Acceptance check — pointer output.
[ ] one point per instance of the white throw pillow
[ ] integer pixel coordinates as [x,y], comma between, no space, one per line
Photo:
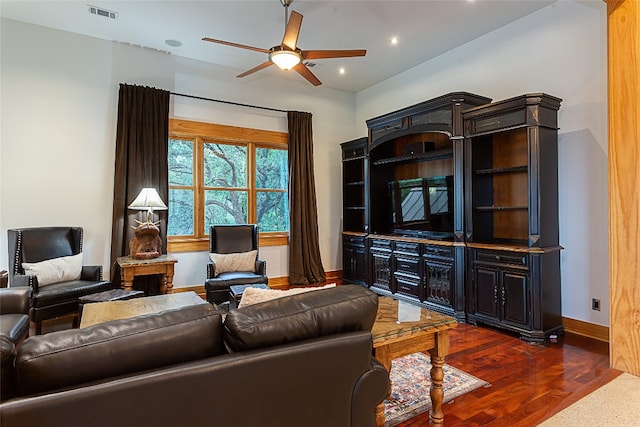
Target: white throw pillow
[241,261]
[256,295]
[55,270]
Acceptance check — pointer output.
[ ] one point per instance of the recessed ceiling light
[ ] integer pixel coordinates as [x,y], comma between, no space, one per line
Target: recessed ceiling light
[342,70]
[173,43]
[393,40]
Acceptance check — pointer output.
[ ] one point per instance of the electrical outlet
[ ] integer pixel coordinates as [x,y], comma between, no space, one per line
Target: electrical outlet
[595,304]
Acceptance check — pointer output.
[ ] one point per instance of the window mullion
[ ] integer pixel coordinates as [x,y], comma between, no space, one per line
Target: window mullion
[198,199]
[251,184]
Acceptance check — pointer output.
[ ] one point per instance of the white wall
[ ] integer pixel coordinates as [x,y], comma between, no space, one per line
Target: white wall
[560,50]
[58,111]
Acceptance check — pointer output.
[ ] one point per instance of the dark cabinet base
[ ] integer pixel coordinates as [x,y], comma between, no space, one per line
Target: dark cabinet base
[525,334]
[426,273]
[515,290]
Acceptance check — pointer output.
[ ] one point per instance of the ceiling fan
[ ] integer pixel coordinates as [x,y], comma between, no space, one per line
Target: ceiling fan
[287,55]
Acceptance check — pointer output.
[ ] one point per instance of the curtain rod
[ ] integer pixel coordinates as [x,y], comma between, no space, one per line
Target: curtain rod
[229,102]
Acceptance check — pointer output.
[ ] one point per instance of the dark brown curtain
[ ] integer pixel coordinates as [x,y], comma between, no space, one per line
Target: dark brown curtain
[305,265]
[142,142]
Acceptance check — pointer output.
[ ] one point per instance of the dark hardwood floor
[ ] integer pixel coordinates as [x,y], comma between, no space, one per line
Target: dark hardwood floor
[529,382]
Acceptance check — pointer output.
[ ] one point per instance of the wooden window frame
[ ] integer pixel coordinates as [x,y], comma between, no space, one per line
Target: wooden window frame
[201,133]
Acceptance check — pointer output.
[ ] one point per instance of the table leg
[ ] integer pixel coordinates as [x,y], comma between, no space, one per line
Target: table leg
[163,284]
[438,353]
[127,280]
[169,283]
[436,416]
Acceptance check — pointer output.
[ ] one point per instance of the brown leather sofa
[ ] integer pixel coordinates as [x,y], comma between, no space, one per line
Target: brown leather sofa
[303,360]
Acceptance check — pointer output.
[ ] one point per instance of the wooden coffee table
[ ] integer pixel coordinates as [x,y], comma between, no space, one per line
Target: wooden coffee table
[101,312]
[393,338]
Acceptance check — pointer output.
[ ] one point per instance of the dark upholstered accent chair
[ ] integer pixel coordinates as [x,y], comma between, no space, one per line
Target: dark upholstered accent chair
[34,245]
[232,239]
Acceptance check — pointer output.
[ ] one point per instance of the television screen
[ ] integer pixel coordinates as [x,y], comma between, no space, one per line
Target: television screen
[422,206]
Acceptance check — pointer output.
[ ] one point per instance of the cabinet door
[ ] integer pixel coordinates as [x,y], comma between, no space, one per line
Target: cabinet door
[486,291]
[360,264]
[354,264]
[439,279]
[349,263]
[515,297]
[381,270]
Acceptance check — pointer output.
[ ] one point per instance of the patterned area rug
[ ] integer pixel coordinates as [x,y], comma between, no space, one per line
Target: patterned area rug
[410,387]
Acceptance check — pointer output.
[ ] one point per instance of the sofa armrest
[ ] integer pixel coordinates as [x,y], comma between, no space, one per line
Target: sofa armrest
[370,390]
[211,269]
[15,300]
[22,280]
[261,267]
[91,272]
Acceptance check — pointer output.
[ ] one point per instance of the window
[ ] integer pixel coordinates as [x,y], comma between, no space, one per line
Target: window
[225,175]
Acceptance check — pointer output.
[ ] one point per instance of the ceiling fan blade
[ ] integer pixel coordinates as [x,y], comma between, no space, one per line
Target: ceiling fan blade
[324,54]
[293,29]
[307,74]
[242,46]
[254,69]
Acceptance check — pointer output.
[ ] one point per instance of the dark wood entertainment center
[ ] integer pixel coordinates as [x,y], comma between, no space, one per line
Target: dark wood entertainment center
[452,204]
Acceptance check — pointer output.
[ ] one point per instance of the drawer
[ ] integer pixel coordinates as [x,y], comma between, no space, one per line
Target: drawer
[495,122]
[381,244]
[495,257]
[353,240]
[407,285]
[408,248]
[355,153]
[438,251]
[407,265]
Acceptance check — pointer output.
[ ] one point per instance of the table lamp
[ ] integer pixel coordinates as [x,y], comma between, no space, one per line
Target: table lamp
[146,243]
[148,200]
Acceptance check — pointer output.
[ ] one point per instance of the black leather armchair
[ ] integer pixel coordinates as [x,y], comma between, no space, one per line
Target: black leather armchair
[45,243]
[230,239]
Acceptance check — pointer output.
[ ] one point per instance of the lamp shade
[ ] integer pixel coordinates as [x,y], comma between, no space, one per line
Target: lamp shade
[285,59]
[148,199]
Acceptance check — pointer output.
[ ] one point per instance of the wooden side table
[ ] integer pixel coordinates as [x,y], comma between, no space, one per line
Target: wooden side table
[131,267]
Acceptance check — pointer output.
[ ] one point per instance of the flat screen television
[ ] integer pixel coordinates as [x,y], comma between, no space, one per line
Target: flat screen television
[422,207]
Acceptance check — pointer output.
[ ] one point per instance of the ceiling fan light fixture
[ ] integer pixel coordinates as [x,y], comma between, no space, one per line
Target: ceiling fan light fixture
[285,59]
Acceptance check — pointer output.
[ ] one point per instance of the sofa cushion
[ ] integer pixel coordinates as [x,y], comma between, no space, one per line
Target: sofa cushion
[256,295]
[56,270]
[242,261]
[65,358]
[298,317]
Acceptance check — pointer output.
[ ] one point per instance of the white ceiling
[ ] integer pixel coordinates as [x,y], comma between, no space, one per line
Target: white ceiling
[424,28]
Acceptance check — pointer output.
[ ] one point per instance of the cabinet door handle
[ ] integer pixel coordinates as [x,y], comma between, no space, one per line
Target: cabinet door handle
[504,296]
[495,294]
